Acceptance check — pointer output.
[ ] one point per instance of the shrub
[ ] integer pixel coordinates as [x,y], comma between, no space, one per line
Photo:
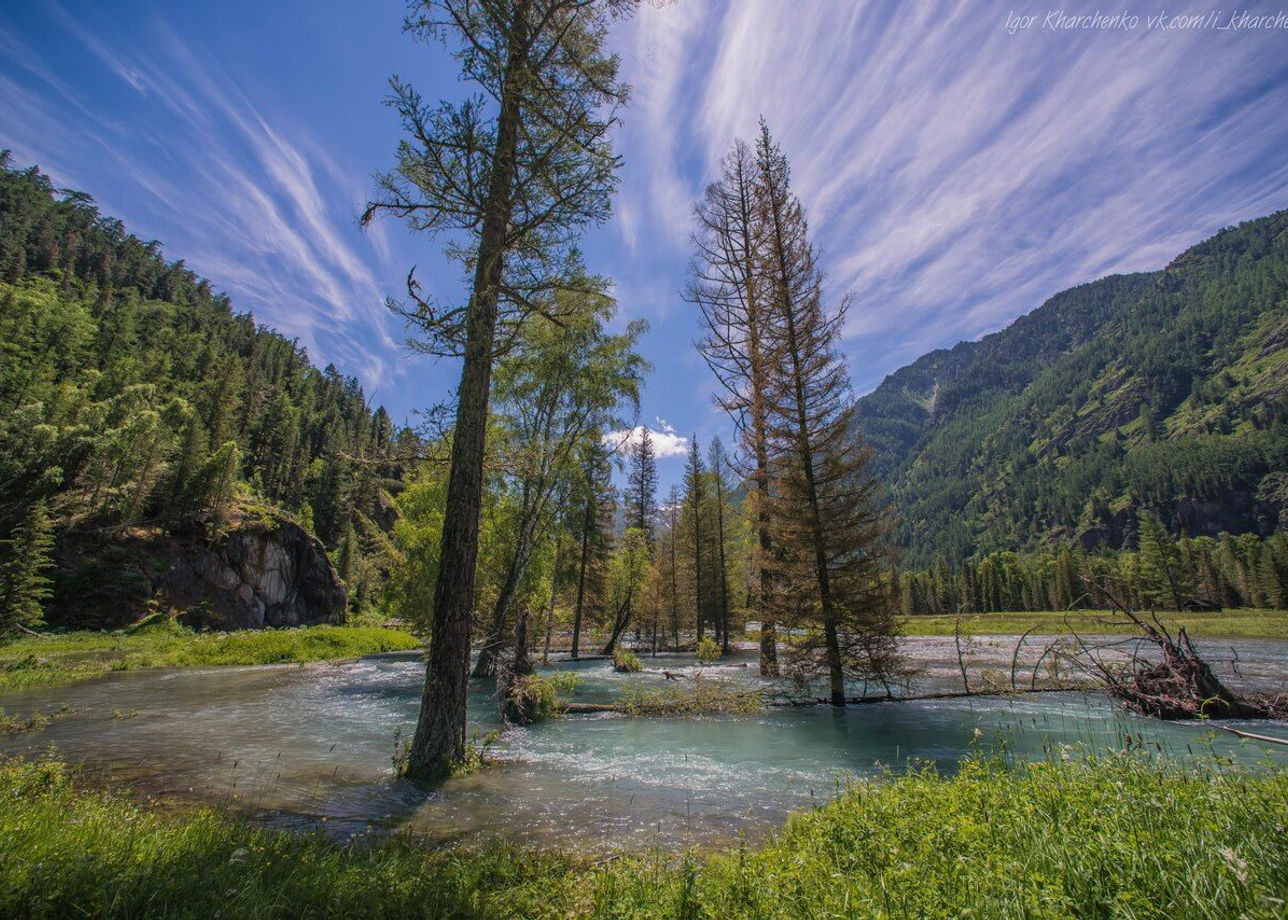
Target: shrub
[626,661]
[533,698]
[708,650]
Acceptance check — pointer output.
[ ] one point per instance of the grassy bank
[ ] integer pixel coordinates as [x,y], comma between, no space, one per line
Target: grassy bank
[67,657]
[1111,838]
[1244,624]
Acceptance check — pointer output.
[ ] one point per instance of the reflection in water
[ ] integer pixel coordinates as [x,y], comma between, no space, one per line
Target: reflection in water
[311,746]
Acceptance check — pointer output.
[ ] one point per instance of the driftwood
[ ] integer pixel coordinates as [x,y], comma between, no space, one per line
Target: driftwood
[1269,739]
[669,675]
[582,708]
[1181,685]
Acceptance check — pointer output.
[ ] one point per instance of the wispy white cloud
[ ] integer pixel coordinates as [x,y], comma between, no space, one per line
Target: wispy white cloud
[250,211]
[956,175]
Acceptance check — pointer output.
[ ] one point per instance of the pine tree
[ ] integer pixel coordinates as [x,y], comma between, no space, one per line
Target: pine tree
[1160,576]
[24,586]
[1270,572]
[598,502]
[216,481]
[192,454]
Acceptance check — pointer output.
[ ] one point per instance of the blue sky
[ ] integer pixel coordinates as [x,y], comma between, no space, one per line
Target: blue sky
[956,173]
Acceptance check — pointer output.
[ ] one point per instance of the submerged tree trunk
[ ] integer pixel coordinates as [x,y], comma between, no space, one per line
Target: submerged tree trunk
[522,665]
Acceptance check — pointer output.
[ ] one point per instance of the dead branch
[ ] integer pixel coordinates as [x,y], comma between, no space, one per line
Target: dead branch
[1015,656]
[957,639]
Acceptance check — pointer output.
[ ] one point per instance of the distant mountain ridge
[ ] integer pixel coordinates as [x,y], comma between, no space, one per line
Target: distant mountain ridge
[1165,390]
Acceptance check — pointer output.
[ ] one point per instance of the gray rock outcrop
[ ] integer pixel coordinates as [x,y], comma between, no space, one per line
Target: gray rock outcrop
[261,574]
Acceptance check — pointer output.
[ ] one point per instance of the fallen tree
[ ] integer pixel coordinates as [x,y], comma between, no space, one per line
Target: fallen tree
[1178,684]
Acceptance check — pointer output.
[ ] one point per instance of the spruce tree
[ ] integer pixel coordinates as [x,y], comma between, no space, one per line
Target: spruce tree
[24,584]
[642,486]
[1160,576]
[695,503]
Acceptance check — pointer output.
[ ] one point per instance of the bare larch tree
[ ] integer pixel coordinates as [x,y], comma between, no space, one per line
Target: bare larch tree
[829,528]
[727,286]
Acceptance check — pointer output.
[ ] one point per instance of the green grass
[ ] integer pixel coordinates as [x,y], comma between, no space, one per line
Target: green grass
[1116,837]
[66,657]
[1245,624]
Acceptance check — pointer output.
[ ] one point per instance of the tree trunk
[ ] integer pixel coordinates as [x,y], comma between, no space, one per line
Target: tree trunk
[657,613]
[768,635]
[581,590]
[522,660]
[439,741]
[550,613]
[697,568]
[620,622]
[675,591]
[485,666]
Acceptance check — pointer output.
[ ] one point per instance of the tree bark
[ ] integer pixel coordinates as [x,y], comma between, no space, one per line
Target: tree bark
[486,664]
[620,621]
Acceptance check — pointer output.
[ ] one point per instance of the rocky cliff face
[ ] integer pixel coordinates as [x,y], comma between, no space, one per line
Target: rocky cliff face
[261,574]
[262,571]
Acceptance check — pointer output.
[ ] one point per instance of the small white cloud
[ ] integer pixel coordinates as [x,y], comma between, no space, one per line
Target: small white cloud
[666,443]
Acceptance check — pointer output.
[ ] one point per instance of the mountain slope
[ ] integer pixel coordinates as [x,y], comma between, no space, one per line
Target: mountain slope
[1166,390]
[128,383]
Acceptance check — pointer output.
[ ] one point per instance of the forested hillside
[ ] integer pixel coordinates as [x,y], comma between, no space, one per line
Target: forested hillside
[1164,391]
[134,396]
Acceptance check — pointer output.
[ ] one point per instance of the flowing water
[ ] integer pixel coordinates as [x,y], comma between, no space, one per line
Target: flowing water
[310,746]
